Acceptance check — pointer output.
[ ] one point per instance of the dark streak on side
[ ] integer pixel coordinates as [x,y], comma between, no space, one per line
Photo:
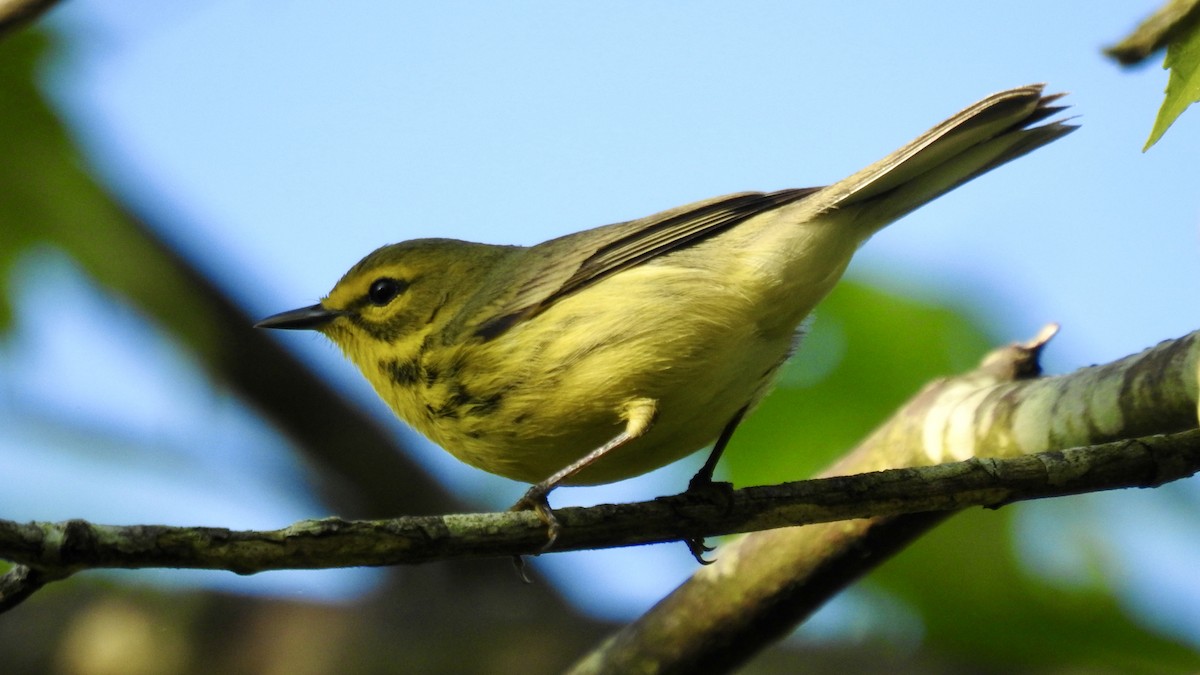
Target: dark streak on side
[486,405]
[401,372]
[430,375]
[462,403]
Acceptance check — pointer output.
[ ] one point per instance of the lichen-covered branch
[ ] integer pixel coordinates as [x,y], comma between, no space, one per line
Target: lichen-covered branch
[64,548]
[764,584]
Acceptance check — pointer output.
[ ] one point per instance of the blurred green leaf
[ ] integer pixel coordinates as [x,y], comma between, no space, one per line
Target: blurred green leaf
[1183,87]
[867,352]
[49,199]
[979,604]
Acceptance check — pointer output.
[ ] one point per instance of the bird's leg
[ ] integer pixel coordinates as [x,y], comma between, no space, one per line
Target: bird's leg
[704,477]
[639,415]
[535,498]
[702,483]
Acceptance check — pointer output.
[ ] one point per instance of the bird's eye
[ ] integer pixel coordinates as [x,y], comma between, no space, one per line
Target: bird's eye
[384,290]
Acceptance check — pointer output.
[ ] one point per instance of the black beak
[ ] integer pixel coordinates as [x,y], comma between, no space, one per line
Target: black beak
[305,318]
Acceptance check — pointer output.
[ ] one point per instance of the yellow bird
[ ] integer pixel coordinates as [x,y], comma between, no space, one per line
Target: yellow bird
[610,352]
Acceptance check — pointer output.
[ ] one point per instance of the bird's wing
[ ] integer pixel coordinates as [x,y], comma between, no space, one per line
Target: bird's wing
[555,269]
[975,140]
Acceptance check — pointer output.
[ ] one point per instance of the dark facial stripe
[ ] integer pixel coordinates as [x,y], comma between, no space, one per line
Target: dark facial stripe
[388,331]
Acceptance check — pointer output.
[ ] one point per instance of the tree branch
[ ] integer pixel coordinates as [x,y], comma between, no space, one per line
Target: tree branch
[61,549]
[1153,33]
[764,584]
[19,583]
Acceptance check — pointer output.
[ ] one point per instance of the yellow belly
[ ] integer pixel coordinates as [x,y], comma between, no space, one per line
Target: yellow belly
[556,385]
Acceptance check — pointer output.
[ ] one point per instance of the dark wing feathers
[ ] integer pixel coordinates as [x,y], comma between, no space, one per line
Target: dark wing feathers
[663,234]
[560,267]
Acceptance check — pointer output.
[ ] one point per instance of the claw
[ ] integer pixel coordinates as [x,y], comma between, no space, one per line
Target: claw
[519,566]
[698,548]
[535,499]
[703,488]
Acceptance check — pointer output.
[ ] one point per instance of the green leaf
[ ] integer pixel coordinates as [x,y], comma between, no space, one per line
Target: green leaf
[1183,86]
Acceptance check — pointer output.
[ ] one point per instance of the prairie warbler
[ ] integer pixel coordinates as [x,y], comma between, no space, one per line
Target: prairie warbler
[606,353]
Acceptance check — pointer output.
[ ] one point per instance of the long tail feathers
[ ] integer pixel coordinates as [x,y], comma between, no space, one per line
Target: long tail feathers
[975,140]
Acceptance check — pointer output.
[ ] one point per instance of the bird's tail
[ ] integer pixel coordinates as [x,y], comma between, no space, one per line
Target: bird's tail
[977,139]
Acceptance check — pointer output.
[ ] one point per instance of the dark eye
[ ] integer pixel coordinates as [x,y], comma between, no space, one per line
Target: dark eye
[384,290]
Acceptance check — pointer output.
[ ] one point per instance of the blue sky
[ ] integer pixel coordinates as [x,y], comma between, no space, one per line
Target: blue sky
[286,140]
[296,137]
